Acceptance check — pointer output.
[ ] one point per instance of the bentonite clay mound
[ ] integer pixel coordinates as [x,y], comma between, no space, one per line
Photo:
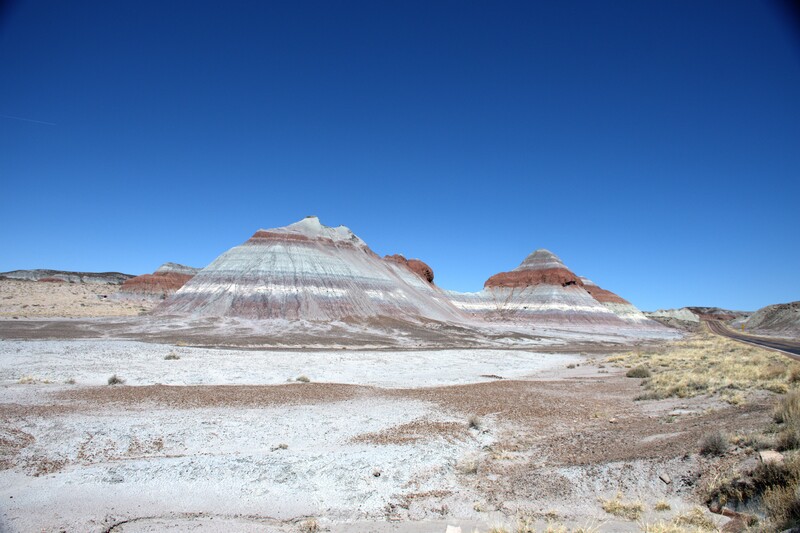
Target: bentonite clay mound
[159,284]
[166,280]
[415,265]
[528,278]
[602,295]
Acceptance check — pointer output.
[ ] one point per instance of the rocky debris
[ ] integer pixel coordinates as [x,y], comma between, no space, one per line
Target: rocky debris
[415,265]
[778,320]
[112,278]
[665,478]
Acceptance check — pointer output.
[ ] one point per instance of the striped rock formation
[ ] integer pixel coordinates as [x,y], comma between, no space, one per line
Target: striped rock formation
[312,272]
[616,304]
[541,290]
[165,281]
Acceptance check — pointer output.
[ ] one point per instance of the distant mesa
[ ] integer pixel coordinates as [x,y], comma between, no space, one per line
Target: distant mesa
[165,281]
[64,276]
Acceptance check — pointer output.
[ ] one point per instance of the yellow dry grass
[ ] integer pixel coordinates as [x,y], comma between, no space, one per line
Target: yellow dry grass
[630,510]
[710,364]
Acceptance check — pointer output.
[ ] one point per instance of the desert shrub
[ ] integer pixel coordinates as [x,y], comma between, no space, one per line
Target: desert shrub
[171,356]
[776,474]
[788,409]
[468,465]
[638,372]
[794,373]
[474,422]
[788,439]
[714,443]
[618,507]
[115,380]
[309,525]
[782,506]
[303,379]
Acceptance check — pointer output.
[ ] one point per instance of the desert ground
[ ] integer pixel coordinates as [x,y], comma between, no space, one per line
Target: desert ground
[113,433]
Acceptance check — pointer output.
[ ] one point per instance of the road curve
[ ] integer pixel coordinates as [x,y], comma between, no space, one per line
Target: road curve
[787,347]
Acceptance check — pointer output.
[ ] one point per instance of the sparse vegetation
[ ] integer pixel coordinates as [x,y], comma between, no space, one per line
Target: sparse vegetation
[115,380]
[303,379]
[662,506]
[629,510]
[638,372]
[697,518]
[474,422]
[709,364]
[172,356]
[714,443]
[70,381]
[468,465]
[309,525]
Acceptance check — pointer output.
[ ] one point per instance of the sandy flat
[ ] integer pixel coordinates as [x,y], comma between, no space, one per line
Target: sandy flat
[32,299]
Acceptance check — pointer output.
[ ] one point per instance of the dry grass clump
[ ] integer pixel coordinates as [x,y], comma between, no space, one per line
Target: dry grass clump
[696,521]
[172,356]
[710,364]
[618,507]
[782,505]
[638,372]
[474,422]
[662,505]
[309,525]
[303,379]
[787,414]
[468,466]
[115,380]
[697,518]
[714,443]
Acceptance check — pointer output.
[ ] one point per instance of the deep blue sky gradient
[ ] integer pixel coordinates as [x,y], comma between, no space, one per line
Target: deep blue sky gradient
[654,146]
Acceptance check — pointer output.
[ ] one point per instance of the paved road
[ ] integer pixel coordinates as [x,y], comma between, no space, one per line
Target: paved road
[790,348]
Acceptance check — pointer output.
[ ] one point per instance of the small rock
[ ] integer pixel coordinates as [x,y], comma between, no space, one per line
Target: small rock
[394,518]
[665,478]
[612,420]
[770,456]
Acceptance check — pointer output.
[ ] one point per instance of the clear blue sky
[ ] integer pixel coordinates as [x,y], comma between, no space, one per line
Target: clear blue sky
[654,146]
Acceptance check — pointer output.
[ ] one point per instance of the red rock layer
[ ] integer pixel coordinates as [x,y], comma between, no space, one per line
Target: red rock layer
[604,296]
[418,267]
[160,283]
[530,278]
[52,280]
